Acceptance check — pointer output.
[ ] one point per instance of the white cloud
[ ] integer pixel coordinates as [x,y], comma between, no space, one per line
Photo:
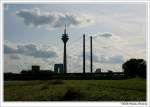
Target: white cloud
[125,46]
[126,20]
[105,35]
[101,58]
[15,56]
[29,50]
[117,59]
[37,18]
[25,63]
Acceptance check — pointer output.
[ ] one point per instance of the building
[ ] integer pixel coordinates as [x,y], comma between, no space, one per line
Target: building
[35,68]
[58,68]
[98,70]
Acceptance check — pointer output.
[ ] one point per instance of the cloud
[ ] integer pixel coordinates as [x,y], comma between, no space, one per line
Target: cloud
[105,35]
[120,45]
[25,63]
[87,57]
[117,59]
[36,18]
[15,56]
[8,49]
[29,50]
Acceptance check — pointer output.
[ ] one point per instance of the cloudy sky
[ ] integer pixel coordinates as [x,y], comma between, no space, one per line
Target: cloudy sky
[32,35]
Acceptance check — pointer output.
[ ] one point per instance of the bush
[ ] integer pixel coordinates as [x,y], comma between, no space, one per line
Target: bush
[72,94]
[56,82]
[44,87]
[135,67]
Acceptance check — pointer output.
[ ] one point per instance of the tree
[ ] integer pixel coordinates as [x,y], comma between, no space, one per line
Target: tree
[135,67]
[142,69]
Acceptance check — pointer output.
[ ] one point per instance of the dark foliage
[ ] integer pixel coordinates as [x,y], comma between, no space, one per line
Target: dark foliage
[44,87]
[135,67]
[57,82]
[67,76]
[72,94]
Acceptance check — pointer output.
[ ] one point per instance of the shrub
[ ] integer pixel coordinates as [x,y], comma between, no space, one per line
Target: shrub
[72,94]
[56,82]
[135,67]
[44,87]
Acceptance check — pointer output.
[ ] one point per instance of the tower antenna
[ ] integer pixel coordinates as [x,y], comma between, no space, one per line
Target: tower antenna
[65,29]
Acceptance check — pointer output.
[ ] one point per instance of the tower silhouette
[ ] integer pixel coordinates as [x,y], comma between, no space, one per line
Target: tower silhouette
[83,53]
[65,39]
[91,54]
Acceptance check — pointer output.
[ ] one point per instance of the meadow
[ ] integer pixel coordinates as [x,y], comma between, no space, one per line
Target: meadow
[76,90]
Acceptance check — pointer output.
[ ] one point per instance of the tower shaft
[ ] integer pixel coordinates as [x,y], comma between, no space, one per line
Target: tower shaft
[91,55]
[65,59]
[84,53]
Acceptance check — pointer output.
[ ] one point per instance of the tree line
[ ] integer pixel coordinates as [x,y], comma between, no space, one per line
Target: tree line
[135,68]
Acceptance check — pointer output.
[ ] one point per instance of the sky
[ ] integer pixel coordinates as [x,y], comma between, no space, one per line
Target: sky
[32,35]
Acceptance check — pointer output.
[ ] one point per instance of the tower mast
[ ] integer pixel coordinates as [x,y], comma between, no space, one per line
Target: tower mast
[83,53]
[91,54]
[65,39]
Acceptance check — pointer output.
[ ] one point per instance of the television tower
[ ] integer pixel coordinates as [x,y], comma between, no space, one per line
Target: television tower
[65,39]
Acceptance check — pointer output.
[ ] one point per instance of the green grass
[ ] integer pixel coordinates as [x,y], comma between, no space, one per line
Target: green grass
[76,90]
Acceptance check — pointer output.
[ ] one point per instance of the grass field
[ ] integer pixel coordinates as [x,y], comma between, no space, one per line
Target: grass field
[76,90]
